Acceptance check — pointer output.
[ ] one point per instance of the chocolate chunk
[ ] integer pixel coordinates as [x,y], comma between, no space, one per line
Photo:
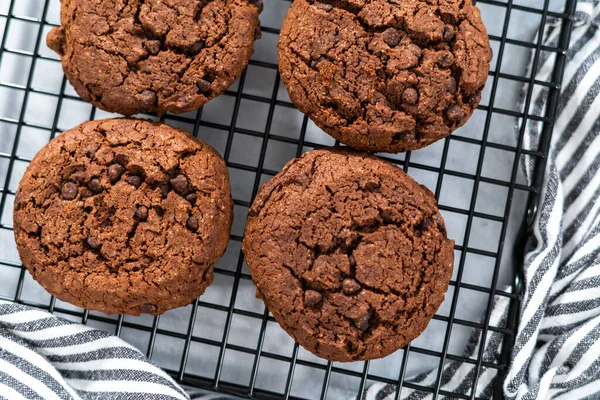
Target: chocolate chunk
[148,308]
[192,223]
[149,97]
[446,60]
[410,96]
[180,184]
[371,185]
[141,213]
[416,50]
[164,189]
[391,37]
[95,186]
[93,243]
[122,159]
[350,286]
[196,48]
[258,4]
[312,298]
[426,223]
[134,181]
[115,171]
[448,34]
[69,191]
[153,46]
[362,321]
[452,86]
[204,87]
[324,7]
[454,113]
[191,198]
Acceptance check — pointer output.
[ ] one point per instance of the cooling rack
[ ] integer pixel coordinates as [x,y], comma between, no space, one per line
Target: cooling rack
[226,341]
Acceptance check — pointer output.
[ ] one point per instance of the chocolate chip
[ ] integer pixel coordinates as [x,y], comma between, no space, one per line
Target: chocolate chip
[350,286]
[180,184]
[192,198]
[153,46]
[204,87]
[448,34]
[391,37]
[446,60]
[196,48]
[474,98]
[148,97]
[454,113]
[312,298]
[141,213]
[257,33]
[69,191]
[115,171]
[164,189]
[95,186]
[91,151]
[371,185]
[416,50]
[122,159]
[452,86]
[93,243]
[410,96]
[148,308]
[426,223]
[192,223]
[258,4]
[324,7]
[362,321]
[134,181]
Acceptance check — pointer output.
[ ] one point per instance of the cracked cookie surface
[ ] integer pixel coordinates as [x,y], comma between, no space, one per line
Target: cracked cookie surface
[349,254]
[124,216]
[135,56]
[381,75]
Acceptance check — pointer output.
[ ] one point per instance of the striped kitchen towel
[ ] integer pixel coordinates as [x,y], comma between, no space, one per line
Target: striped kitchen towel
[557,349]
[45,357]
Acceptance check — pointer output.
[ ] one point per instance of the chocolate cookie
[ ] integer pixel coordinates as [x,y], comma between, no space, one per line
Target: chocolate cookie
[349,254]
[383,75]
[140,56]
[124,216]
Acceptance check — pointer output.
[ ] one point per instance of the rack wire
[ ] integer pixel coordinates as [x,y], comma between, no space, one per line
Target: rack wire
[256,129]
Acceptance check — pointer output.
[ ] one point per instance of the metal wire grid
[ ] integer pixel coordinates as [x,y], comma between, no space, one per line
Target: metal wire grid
[256,169]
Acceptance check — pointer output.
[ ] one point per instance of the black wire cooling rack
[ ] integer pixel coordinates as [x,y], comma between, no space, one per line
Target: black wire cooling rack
[257,129]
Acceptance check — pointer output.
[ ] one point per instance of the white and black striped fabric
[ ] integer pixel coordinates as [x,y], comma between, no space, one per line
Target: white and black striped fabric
[557,349]
[43,357]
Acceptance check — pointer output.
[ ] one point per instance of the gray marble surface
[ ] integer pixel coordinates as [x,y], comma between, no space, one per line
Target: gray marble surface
[456,192]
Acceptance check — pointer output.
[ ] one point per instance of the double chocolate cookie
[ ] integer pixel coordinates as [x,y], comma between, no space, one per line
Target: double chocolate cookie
[140,56]
[124,216]
[349,254]
[383,75]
